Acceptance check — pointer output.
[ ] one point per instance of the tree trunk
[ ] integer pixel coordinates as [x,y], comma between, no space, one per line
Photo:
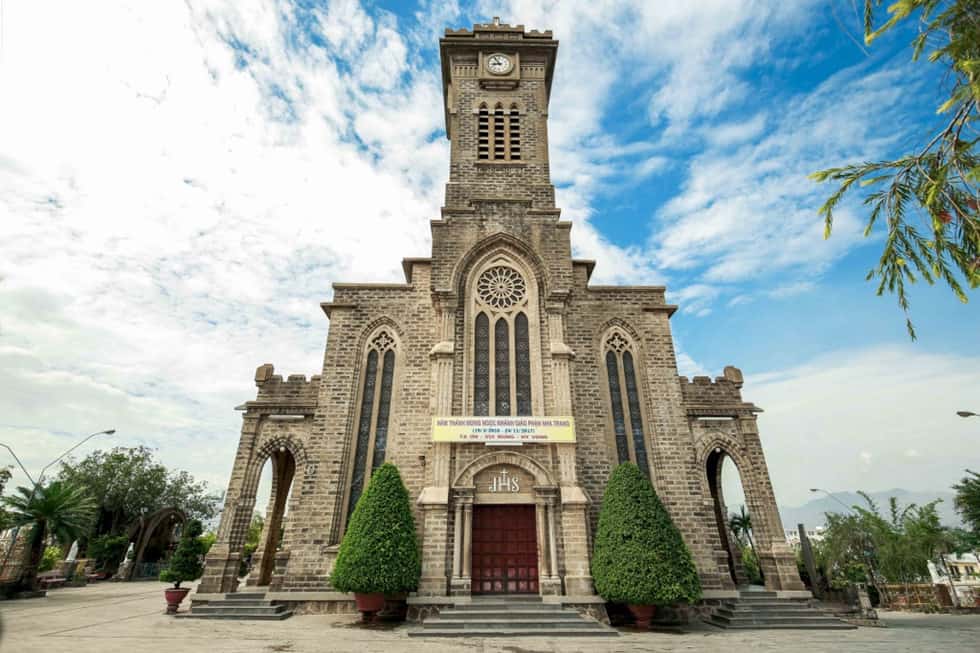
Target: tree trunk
[28,576]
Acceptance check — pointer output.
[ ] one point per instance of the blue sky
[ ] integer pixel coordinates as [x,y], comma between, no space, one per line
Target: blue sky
[181,183]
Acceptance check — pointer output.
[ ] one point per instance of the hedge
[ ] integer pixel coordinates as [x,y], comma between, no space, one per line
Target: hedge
[379,552]
[639,555]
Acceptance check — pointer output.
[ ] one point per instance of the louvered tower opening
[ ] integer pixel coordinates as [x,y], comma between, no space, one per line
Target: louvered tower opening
[515,134]
[499,137]
[483,133]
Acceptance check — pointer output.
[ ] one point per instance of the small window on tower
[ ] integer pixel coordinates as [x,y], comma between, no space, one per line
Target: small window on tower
[499,133]
[499,140]
[514,133]
[483,133]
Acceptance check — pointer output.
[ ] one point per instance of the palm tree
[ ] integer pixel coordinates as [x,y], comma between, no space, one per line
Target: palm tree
[59,509]
[741,525]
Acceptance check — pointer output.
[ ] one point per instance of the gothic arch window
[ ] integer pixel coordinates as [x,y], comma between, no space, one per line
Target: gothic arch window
[499,133]
[502,313]
[624,399]
[374,413]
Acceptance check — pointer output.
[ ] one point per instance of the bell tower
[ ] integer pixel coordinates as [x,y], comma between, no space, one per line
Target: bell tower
[496,82]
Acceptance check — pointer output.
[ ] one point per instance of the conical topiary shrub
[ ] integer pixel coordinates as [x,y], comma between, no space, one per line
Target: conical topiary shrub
[379,552]
[639,556]
[186,564]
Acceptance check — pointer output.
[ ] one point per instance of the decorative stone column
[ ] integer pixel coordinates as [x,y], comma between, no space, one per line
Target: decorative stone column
[221,563]
[550,580]
[467,541]
[434,499]
[574,501]
[461,583]
[561,357]
[776,559]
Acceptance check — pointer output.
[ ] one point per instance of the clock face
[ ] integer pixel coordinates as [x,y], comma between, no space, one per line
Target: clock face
[499,64]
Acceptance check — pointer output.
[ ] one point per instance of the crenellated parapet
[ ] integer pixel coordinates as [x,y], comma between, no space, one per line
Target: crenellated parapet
[295,391]
[719,398]
[498,30]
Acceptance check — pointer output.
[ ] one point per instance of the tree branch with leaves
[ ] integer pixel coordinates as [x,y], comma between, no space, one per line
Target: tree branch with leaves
[927,201]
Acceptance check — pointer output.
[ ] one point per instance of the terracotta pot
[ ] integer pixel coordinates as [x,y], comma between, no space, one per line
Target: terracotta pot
[643,614]
[369,604]
[174,596]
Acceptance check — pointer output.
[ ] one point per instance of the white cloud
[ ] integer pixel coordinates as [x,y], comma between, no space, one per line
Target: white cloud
[750,211]
[630,52]
[735,133]
[176,197]
[869,419]
[180,184]
[695,298]
[792,289]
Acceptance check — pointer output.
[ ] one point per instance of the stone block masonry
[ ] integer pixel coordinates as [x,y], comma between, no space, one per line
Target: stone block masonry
[498,320]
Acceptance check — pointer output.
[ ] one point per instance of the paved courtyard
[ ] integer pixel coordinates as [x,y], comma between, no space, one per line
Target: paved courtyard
[111,617]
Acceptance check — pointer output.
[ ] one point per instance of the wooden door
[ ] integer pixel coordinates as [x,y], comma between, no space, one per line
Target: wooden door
[505,550]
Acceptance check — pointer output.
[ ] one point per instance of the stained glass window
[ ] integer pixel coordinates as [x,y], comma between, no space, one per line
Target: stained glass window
[371,443]
[501,386]
[384,407]
[363,431]
[616,398]
[481,367]
[523,364]
[636,421]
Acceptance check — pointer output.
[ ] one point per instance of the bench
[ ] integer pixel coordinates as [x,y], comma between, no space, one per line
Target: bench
[49,582]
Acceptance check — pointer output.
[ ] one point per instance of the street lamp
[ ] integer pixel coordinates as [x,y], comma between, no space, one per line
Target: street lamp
[40,479]
[866,541]
[831,495]
[967,413]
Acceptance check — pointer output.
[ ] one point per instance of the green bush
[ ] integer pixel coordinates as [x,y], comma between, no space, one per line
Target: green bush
[207,541]
[379,552]
[186,562]
[51,557]
[639,555]
[108,550]
[750,564]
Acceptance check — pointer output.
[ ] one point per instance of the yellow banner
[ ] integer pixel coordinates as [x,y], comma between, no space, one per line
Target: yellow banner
[503,430]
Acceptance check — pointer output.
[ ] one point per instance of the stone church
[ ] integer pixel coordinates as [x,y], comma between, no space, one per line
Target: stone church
[499,325]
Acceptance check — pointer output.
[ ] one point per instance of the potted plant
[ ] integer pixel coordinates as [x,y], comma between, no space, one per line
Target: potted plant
[184,565]
[639,557]
[379,554]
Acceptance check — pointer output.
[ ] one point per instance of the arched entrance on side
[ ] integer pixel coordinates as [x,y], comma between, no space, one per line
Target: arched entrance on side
[153,537]
[505,527]
[281,462]
[733,527]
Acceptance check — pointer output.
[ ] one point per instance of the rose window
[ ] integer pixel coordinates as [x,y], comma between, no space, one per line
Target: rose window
[501,287]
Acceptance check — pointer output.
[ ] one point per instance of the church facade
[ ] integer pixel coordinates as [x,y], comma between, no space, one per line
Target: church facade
[500,324]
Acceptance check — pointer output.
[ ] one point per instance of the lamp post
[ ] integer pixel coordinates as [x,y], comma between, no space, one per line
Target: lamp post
[35,484]
[866,544]
[831,495]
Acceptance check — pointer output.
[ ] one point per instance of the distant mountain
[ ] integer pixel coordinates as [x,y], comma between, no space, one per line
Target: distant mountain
[812,513]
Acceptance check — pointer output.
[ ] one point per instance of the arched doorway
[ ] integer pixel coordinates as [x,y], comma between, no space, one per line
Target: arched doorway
[154,538]
[506,527]
[733,518]
[280,467]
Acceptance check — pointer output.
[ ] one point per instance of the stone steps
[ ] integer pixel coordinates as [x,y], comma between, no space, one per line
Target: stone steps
[504,616]
[764,610]
[239,605]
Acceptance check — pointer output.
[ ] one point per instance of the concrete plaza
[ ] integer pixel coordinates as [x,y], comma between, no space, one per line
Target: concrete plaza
[117,617]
